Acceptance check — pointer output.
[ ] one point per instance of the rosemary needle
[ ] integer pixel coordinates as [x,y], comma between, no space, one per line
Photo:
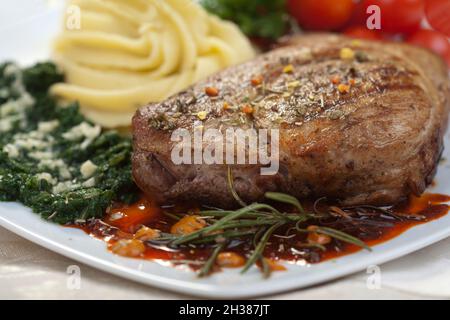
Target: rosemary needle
[265,268]
[284,198]
[206,269]
[342,236]
[257,253]
[171,215]
[232,190]
[228,235]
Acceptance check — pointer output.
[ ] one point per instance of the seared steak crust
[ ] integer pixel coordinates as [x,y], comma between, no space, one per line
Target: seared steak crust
[373,140]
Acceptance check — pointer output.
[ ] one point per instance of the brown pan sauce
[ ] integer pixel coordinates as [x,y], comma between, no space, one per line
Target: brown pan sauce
[123,221]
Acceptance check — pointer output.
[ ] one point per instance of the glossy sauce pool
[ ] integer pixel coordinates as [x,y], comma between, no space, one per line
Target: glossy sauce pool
[122,221]
[431,206]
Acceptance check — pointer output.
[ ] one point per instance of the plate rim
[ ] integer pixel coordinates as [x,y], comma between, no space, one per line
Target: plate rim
[254,290]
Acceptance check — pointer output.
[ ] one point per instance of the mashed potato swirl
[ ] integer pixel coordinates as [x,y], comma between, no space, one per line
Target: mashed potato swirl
[128,53]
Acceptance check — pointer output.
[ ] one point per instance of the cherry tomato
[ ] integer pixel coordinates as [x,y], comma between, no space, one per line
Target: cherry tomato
[359,15]
[363,33]
[321,15]
[397,16]
[437,12]
[432,40]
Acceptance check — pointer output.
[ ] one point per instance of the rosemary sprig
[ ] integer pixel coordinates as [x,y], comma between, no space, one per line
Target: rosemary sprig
[256,222]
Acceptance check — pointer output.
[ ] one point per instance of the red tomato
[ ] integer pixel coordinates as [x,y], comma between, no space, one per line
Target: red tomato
[321,15]
[397,16]
[362,33]
[437,12]
[433,40]
[359,15]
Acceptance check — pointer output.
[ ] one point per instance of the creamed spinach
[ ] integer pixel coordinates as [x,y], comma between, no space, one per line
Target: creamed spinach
[52,159]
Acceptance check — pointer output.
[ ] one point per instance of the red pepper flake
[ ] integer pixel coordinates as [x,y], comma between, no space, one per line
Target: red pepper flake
[247,109]
[344,88]
[352,82]
[212,91]
[256,81]
[335,80]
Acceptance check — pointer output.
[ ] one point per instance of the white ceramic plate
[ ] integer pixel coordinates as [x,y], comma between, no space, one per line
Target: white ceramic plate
[26,38]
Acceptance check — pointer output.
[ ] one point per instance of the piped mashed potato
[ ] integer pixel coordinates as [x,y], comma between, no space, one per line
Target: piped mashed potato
[120,55]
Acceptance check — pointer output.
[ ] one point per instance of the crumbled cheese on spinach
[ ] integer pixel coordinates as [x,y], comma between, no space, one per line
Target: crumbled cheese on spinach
[47,126]
[47,177]
[11,150]
[87,169]
[89,183]
[13,111]
[83,131]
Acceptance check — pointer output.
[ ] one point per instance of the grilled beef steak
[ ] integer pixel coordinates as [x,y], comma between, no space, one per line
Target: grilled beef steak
[359,121]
